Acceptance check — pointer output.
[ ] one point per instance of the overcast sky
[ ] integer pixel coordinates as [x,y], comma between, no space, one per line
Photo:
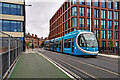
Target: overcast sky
[39,14]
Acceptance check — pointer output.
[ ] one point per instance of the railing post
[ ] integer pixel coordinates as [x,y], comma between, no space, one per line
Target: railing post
[16,49]
[9,52]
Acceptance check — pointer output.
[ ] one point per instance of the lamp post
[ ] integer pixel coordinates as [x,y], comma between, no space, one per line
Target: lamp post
[24,29]
[90,15]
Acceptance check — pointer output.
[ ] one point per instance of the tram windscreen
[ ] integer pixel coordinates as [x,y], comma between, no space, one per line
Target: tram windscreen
[90,40]
[87,40]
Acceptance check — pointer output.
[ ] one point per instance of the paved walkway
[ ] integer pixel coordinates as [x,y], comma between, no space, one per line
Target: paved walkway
[32,65]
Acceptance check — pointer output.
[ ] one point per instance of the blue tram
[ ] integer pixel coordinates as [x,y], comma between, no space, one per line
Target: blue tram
[78,42]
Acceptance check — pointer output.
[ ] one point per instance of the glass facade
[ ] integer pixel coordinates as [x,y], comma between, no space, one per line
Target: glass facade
[74,22]
[81,23]
[96,13]
[81,11]
[109,14]
[109,34]
[103,34]
[109,24]
[116,15]
[74,11]
[103,24]
[11,9]
[96,23]
[103,5]
[103,14]
[12,26]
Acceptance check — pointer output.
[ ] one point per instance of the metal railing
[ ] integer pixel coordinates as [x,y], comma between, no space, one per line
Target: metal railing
[10,49]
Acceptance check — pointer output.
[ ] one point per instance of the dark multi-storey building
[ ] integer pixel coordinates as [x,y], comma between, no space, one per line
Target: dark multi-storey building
[12,18]
[102,17]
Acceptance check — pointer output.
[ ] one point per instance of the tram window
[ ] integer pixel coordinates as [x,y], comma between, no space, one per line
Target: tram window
[69,43]
[59,43]
[81,41]
[65,43]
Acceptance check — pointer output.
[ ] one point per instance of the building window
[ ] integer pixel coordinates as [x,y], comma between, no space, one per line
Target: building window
[116,34]
[116,4]
[81,13]
[109,34]
[109,24]
[103,3]
[69,13]
[88,12]
[103,34]
[116,24]
[109,4]
[74,11]
[89,2]
[12,9]
[103,45]
[88,23]
[81,2]
[96,33]
[116,15]
[74,22]
[96,23]
[66,25]
[74,2]
[69,3]
[66,15]
[96,3]
[117,45]
[103,24]
[81,24]
[96,13]
[69,23]
[12,26]
[109,14]
[103,14]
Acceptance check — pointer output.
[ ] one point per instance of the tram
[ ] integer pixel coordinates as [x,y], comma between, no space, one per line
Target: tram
[78,42]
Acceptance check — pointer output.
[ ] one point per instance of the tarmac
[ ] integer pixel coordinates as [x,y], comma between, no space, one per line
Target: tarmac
[33,65]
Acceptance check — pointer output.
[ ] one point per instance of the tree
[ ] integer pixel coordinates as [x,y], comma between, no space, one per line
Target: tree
[42,44]
[27,44]
[111,43]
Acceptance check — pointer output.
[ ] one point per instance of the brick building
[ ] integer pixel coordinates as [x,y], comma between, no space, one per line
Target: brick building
[33,39]
[102,15]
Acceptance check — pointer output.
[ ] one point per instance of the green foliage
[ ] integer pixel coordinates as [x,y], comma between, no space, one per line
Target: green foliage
[111,43]
[27,44]
[42,44]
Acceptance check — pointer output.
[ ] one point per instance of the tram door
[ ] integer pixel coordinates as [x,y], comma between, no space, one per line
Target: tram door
[72,46]
[60,46]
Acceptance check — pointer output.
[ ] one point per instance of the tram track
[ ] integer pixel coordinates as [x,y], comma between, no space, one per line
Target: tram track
[61,61]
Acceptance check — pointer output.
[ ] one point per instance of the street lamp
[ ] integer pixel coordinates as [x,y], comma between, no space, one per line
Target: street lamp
[24,25]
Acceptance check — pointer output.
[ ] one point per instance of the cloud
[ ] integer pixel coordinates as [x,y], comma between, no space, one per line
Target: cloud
[39,14]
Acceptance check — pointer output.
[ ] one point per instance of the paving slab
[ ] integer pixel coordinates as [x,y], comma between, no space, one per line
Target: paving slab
[33,65]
